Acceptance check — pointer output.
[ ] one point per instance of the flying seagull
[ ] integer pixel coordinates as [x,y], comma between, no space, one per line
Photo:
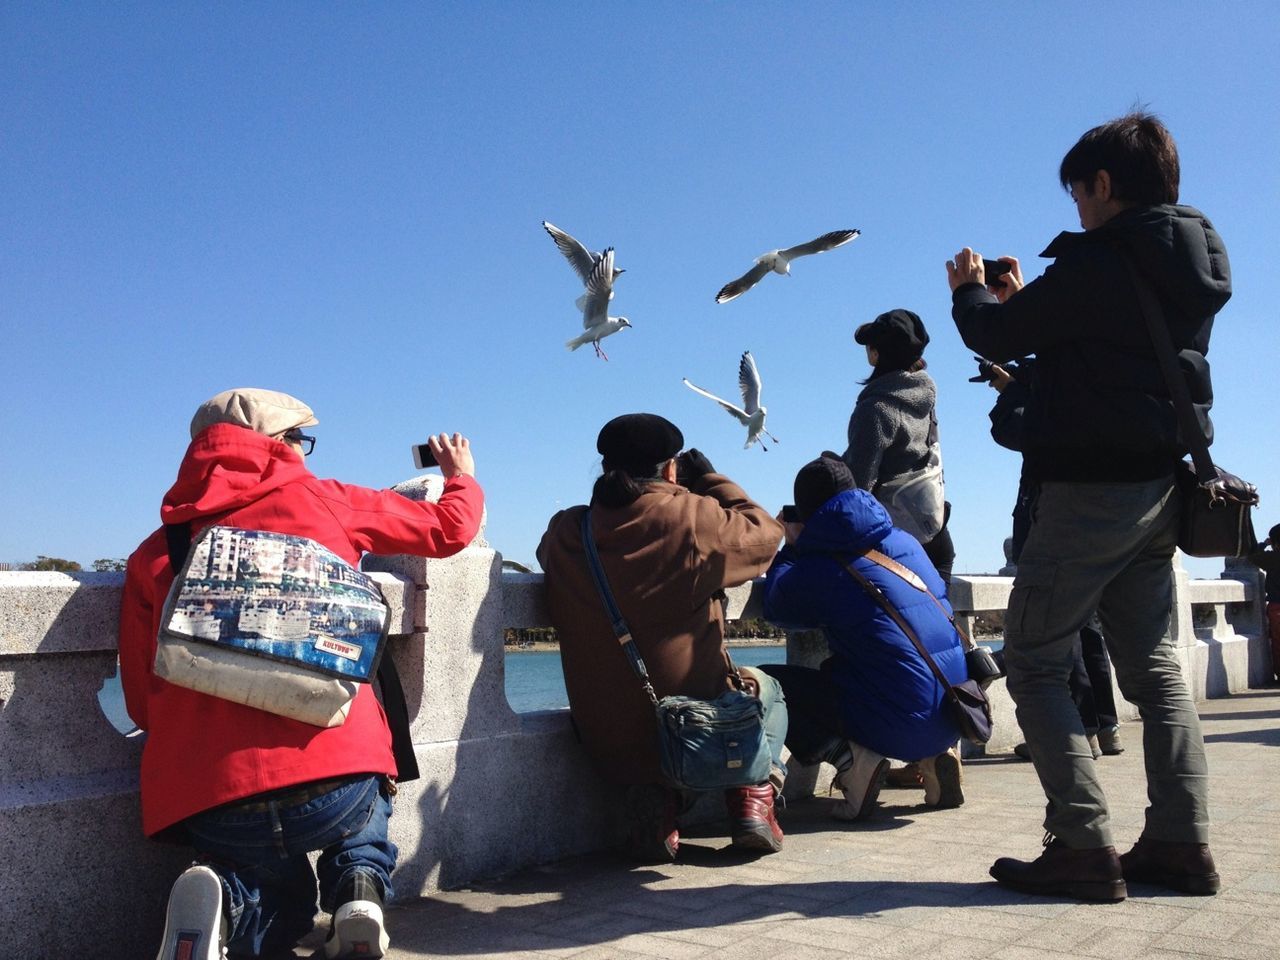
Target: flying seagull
[596,322]
[779,261]
[580,258]
[751,414]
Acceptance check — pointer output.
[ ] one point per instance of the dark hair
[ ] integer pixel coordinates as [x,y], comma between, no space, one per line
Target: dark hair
[1138,152]
[618,488]
[893,366]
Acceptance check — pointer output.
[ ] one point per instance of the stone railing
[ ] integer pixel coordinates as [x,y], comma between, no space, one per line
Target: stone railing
[499,790]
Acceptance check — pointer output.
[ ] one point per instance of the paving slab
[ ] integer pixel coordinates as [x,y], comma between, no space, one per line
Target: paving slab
[911,882]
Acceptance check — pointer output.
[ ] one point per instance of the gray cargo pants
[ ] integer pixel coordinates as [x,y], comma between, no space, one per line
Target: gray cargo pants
[1109,546]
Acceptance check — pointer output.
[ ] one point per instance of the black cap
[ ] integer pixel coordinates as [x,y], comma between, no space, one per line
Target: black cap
[637,443]
[818,481]
[898,335]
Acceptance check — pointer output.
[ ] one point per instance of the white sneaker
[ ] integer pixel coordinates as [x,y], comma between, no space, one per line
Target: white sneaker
[357,930]
[860,782]
[194,927]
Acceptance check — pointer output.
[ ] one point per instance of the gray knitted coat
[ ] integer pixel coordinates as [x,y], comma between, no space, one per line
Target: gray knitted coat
[892,427]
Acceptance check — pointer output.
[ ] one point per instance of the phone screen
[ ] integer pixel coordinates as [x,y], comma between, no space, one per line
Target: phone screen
[423,457]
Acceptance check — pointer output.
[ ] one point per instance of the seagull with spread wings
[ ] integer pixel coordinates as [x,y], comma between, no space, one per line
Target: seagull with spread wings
[779,261]
[751,414]
[580,258]
[596,322]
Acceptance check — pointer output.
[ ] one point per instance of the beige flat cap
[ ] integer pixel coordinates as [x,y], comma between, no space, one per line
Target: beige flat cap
[268,412]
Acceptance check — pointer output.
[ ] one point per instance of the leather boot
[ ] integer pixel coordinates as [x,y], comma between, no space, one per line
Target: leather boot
[752,823]
[1186,867]
[1090,874]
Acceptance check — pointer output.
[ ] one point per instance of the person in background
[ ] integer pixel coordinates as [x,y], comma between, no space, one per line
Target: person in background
[1101,439]
[254,793]
[1267,559]
[1090,679]
[671,534]
[874,697]
[893,448]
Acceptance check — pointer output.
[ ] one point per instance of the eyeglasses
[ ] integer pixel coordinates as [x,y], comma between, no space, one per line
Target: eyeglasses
[307,443]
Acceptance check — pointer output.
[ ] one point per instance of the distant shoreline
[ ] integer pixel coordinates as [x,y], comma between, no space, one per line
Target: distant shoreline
[539,646]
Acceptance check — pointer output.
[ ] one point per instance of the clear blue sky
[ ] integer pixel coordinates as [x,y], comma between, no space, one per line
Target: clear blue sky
[342,201]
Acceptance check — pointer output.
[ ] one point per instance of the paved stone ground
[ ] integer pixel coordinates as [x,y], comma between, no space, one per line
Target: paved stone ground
[909,883]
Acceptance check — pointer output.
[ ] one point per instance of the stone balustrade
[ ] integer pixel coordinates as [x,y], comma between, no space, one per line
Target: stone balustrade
[499,790]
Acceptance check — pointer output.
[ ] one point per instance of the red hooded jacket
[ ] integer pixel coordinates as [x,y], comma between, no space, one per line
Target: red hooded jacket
[202,751]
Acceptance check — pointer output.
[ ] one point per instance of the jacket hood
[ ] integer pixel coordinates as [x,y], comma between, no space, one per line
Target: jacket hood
[849,522]
[227,467]
[1176,247]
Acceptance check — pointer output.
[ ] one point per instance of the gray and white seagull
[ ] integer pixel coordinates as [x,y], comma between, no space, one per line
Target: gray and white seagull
[779,261]
[751,414]
[596,322]
[580,258]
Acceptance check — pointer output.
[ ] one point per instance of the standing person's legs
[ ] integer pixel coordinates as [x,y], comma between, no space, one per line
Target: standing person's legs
[1081,688]
[1134,611]
[942,553]
[1083,536]
[1273,626]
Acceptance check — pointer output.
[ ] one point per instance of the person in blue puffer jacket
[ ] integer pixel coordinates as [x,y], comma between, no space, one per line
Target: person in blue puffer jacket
[874,697]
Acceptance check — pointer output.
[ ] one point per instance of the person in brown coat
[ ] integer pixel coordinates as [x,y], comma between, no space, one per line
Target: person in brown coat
[671,534]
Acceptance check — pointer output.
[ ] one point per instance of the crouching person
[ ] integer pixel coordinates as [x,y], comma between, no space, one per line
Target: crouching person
[252,791]
[875,697]
[669,533]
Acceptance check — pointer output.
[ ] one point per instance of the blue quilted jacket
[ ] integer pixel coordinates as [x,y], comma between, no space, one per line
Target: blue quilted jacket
[892,702]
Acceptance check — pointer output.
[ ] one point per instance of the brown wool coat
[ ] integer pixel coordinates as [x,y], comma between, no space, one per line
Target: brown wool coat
[664,555]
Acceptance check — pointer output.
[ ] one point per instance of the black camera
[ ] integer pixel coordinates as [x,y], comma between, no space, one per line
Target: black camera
[986,374]
[994,270]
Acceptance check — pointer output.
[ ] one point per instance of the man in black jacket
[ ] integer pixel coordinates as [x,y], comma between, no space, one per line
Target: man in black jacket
[1100,437]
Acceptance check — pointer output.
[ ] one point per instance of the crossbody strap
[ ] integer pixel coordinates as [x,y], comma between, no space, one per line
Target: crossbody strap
[616,619]
[1157,326]
[619,623]
[878,595]
[909,575]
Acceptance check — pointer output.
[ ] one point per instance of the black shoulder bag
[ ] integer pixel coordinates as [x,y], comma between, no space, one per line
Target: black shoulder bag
[1217,518]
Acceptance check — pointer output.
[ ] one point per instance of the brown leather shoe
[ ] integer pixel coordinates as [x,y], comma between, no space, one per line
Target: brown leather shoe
[1091,874]
[1185,867]
[751,818]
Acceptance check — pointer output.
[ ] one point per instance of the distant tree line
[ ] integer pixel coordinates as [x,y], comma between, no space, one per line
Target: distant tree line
[58,565]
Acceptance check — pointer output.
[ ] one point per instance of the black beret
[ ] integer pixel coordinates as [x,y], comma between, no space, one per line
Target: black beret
[900,334]
[818,481]
[637,443]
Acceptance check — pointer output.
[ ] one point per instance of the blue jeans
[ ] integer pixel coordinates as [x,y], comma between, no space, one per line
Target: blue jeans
[775,718]
[261,857]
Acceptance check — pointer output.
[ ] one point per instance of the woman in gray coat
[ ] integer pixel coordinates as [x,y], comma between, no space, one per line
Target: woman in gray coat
[893,434]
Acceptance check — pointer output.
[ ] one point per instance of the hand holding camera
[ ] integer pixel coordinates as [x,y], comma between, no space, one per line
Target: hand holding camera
[692,465]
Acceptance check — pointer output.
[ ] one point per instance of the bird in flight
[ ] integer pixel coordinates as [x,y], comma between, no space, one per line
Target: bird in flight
[580,258]
[779,261]
[751,414]
[596,322]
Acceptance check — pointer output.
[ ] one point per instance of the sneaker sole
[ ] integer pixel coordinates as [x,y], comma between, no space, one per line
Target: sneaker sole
[868,805]
[947,769]
[1095,891]
[357,932]
[192,926]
